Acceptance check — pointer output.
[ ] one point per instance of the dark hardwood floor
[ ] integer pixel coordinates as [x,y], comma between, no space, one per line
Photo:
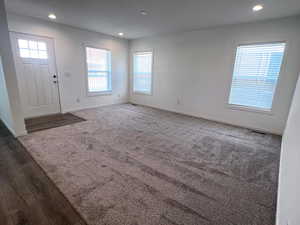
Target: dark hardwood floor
[27,195]
[51,121]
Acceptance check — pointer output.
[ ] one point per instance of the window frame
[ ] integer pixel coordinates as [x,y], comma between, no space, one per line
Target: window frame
[98,93]
[152,66]
[253,109]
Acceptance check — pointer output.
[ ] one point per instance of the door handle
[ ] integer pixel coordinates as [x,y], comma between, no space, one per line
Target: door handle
[55,82]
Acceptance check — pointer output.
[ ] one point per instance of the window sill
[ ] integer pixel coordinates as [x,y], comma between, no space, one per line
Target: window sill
[100,93]
[141,93]
[250,109]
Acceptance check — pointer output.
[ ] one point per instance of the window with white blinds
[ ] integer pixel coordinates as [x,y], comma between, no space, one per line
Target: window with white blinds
[142,72]
[255,76]
[98,70]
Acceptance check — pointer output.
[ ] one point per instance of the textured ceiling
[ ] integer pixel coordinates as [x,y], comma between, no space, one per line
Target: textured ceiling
[164,16]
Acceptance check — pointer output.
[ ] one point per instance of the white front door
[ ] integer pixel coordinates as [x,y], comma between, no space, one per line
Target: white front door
[36,72]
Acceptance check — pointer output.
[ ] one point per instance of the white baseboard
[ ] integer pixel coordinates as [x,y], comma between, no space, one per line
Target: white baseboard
[21,133]
[207,118]
[93,107]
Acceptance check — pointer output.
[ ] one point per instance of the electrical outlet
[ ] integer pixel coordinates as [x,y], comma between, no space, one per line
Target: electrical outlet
[119,96]
[77,100]
[178,101]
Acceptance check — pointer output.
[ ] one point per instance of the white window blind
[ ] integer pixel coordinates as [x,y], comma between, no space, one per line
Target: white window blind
[98,70]
[255,75]
[142,72]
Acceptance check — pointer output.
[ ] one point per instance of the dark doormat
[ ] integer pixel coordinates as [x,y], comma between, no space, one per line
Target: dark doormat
[51,121]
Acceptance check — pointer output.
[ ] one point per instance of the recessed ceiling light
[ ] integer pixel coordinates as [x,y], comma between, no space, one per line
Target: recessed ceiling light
[120,34]
[52,16]
[143,12]
[257,8]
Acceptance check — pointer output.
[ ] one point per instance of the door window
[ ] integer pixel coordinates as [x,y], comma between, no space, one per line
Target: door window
[32,49]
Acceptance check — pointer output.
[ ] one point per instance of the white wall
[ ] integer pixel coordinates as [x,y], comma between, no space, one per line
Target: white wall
[196,68]
[5,111]
[10,107]
[70,60]
[288,209]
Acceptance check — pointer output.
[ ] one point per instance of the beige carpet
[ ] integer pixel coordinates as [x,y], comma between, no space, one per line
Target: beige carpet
[133,165]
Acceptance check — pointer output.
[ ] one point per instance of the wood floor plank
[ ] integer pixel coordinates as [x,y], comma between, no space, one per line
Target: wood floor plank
[27,195]
[51,121]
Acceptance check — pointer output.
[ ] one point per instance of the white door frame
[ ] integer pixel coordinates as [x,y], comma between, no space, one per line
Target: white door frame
[13,37]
